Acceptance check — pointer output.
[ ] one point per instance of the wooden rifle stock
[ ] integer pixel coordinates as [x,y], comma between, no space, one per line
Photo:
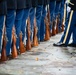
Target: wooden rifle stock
[14,49]
[3,53]
[35,39]
[53,28]
[64,18]
[62,28]
[57,25]
[48,17]
[47,36]
[28,42]
[21,46]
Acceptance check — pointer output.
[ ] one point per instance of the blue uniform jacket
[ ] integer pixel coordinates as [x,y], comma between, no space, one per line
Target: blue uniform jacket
[3,7]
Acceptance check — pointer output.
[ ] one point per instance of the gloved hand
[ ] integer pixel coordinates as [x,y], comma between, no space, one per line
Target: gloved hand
[66,2]
[68,9]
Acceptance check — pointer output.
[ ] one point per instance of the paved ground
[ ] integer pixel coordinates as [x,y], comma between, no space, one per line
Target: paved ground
[43,60]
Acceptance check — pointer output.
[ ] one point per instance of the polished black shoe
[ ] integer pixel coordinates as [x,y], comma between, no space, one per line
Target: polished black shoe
[59,44]
[9,57]
[41,40]
[72,45]
[38,42]
[18,51]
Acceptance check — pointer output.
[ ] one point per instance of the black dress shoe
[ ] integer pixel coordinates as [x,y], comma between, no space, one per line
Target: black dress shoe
[59,44]
[9,57]
[18,51]
[72,45]
[38,42]
[41,40]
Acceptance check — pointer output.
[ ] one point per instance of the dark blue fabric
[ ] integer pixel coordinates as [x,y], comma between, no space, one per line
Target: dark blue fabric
[18,22]
[38,19]
[10,18]
[21,4]
[12,4]
[32,15]
[71,29]
[42,26]
[3,8]
[23,26]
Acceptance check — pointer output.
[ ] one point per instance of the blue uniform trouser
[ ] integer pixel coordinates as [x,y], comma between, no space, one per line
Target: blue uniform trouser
[61,13]
[23,26]
[74,35]
[1,28]
[18,23]
[38,19]
[57,8]
[32,15]
[71,29]
[52,11]
[62,9]
[42,26]
[9,25]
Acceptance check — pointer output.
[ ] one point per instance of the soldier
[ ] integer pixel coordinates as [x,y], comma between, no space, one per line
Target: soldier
[73,44]
[3,10]
[18,19]
[25,16]
[39,16]
[61,13]
[52,6]
[70,27]
[10,18]
[57,11]
[32,15]
[52,9]
[42,27]
[67,7]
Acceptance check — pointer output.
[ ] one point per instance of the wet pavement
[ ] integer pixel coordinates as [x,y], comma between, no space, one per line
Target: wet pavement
[43,60]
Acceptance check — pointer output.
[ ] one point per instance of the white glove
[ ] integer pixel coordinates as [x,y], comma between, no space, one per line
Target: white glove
[66,1]
[68,9]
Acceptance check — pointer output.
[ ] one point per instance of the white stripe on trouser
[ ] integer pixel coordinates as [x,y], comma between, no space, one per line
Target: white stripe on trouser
[67,31]
[64,14]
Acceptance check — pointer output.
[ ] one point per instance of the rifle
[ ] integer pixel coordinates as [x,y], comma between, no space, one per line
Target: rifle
[64,18]
[14,49]
[28,41]
[21,45]
[35,39]
[57,24]
[3,53]
[48,17]
[62,27]
[47,35]
[53,28]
